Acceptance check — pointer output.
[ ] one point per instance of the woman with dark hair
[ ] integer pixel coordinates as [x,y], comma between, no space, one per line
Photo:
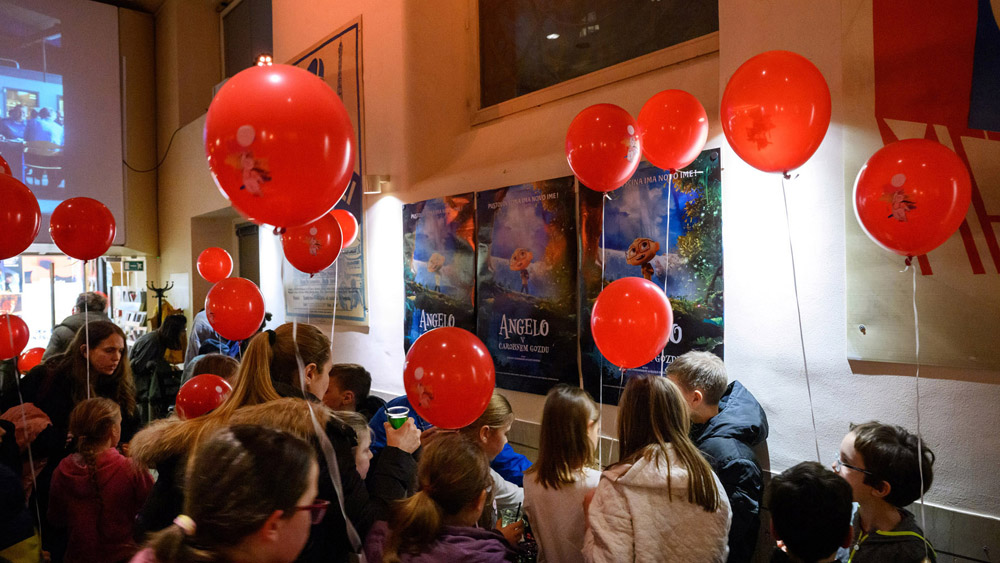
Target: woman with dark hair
[251,496]
[156,380]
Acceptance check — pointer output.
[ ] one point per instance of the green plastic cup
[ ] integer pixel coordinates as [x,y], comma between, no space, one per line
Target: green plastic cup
[397,416]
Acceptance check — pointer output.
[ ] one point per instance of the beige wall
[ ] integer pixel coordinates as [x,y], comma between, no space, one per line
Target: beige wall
[418,69]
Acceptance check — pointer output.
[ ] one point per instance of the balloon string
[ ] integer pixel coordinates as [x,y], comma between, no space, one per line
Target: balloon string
[86,325]
[600,380]
[798,309]
[336,297]
[666,262]
[920,446]
[24,422]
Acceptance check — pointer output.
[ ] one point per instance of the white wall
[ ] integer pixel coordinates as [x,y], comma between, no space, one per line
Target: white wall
[418,100]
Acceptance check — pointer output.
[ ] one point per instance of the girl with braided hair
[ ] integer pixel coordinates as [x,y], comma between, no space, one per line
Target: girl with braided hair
[97,492]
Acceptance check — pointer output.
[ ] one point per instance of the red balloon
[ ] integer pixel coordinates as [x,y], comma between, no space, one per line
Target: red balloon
[348,226]
[631,322]
[83,228]
[673,128]
[20,217]
[235,308]
[603,147]
[776,110]
[312,248]
[280,145]
[912,195]
[13,336]
[29,359]
[214,264]
[4,167]
[200,395]
[449,377]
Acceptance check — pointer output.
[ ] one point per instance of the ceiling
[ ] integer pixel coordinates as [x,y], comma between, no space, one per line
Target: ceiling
[148,6]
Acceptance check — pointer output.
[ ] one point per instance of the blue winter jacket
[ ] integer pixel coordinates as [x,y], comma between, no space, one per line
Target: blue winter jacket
[726,441]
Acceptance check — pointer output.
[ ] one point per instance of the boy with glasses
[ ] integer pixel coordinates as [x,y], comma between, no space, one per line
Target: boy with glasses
[882,463]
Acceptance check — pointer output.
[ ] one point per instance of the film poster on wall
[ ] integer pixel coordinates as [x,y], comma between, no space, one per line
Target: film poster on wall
[439,265]
[337,60]
[667,229]
[526,285]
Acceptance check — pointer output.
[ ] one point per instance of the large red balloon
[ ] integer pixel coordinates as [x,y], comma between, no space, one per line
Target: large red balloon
[4,167]
[200,395]
[214,264]
[29,359]
[776,110]
[449,377]
[83,228]
[280,145]
[312,248]
[348,226]
[603,147]
[235,308]
[13,336]
[673,127]
[631,322]
[20,217]
[912,195]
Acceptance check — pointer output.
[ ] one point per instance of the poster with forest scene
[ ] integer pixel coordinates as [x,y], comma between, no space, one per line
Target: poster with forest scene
[527,283]
[667,229]
[439,265]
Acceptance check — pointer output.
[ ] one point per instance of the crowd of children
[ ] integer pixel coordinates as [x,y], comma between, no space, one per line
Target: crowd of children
[301,464]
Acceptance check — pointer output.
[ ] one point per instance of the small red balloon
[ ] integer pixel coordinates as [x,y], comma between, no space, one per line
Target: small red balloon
[13,336]
[280,145]
[776,110]
[449,377]
[673,127]
[29,359]
[314,247]
[201,395]
[20,217]
[912,195]
[631,322]
[83,228]
[214,264]
[348,226]
[235,308]
[4,167]
[603,147]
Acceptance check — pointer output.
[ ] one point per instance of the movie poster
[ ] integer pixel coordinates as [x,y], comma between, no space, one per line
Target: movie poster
[439,265]
[669,231]
[337,60]
[527,281]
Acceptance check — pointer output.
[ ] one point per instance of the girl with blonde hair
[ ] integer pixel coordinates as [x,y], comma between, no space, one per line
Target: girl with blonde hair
[661,501]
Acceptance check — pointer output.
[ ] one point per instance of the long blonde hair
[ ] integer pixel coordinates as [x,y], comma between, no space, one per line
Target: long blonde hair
[652,413]
[564,446]
[498,414]
[452,473]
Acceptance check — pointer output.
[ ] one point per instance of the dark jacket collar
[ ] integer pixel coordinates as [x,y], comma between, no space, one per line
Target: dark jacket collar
[740,417]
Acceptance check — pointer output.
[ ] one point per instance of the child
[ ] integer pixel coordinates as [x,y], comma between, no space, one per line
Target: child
[882,464]
[726,423]
[97,492]
[250,496]
[555,486]
[661,502]
[489,432]
[362,451]
[350,390]
[810,513]
[439,522]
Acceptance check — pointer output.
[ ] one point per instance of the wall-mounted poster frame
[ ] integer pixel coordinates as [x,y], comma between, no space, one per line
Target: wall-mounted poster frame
[337,60]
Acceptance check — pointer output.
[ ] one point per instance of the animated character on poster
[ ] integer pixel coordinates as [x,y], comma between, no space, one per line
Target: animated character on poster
[640,253]
[519,262]
[434,265]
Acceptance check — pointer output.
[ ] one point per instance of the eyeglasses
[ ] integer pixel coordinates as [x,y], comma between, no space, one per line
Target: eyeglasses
[317,510]
[840,463]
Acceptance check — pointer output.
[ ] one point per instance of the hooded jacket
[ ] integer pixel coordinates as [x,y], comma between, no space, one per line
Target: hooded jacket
[167,443]
[903,544]
[640,512]
[63,333]
[726,440]
[100,527]
[454,543]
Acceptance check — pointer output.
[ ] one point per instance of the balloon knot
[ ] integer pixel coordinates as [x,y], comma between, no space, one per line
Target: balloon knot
[786,175]
[279,230]
[909,260]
